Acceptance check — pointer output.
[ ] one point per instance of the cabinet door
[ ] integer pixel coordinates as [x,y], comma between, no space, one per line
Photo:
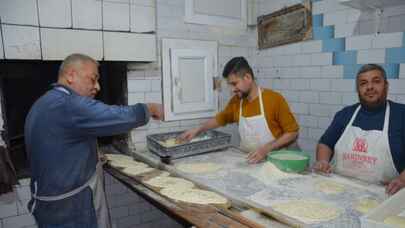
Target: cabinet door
[189,68]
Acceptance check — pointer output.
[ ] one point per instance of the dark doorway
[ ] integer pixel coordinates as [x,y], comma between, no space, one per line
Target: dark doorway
[23,82]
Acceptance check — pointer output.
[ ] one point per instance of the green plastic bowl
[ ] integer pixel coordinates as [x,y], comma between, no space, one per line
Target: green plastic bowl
[284,160]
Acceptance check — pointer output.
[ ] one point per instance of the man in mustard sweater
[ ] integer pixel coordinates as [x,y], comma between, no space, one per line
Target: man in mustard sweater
[264,118]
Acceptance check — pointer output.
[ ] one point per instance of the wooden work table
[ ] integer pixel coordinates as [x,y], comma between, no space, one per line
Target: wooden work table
[184,213]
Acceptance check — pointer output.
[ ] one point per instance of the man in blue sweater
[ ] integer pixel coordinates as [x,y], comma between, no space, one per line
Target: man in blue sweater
[61,133]
[367,140]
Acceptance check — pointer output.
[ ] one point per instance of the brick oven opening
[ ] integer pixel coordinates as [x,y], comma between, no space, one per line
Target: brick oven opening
[23,82]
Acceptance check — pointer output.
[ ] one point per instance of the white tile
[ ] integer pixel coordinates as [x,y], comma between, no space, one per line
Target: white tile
[343,85]
[299,108]
[8,209]
[22,206]
[359,42]
[397,86]
[324,122]
[129,47]
[315,133]
[308,121]
[21,42]
[320,84]
[388,40]
[139,86]
[156,85]
[57,44]
[311,46]
[87,14]
[321,59]
[116,16]
[309,97]
[134,98]
[331,18]
[402,70]
[302,60]
[325,6]
[143,18]
[343,30]
[153,97]
[371,56]
[335,71]
[300,84]
[136,74]
[151,3]
[55,13]
[311,72]
[24,192]
[319,110]
[349,98]
[330,98]
[19,221]
[23,12]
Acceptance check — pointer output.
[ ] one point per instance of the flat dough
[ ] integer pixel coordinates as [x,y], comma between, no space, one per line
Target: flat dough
[206,167]
[165,182]
[330,187]
[169,142]
[114,157]
[269,174]
[136,170]
[307,211]
[396,221]
[365,205]
[192,195]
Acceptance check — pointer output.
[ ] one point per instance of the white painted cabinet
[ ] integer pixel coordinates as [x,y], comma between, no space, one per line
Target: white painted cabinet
[86,14]
[217,12]
[189,69]
[23,12]
[21,42]
[59,43]
[55,13]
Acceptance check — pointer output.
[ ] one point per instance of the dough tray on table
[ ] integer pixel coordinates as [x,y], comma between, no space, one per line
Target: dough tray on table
[209,141]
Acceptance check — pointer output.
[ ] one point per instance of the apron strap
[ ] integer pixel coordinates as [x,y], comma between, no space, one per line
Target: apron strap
[260,101]
[386,118]
[64,195]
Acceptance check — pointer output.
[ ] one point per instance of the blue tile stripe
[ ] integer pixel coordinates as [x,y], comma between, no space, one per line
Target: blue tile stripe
[332,45]
[323,33]
[317,20]
[395,55]
[345,58]
[350,71]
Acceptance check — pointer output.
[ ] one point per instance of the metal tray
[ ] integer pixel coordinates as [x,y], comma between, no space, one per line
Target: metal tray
[216,140]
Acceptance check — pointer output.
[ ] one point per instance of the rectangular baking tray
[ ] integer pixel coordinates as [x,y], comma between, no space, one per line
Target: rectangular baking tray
[215,140]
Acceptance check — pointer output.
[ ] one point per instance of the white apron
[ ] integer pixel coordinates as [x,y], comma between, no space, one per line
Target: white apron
[365,155]
[254,131]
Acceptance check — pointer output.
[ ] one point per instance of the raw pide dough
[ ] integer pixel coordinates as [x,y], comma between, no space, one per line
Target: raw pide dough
[192,195]
[269,174]
[206,167]
[165,182]
[118,160]
[136,170]
[365,205]
[396,221]
[118,157]
[169,142]
[307,211]
[330,187]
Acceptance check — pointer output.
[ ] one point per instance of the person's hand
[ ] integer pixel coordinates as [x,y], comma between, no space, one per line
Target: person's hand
[394,186]
[258,155]
[322,166]
[189,135]
[155,110]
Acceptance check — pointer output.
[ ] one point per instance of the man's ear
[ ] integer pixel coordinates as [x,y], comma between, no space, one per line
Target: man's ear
[248,76]
[70,76]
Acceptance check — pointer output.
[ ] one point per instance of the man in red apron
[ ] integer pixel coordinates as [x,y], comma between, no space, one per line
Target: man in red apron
[264,118]
[61,133]
[366,140]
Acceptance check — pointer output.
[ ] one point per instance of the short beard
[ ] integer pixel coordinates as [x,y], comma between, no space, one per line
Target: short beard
[373,105]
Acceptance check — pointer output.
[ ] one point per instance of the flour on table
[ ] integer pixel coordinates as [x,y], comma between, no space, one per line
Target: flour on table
[365,205]
[329,187]
[192,195]
[197,168]
[396,221]
[165,182]
[307,211]
[269,174]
